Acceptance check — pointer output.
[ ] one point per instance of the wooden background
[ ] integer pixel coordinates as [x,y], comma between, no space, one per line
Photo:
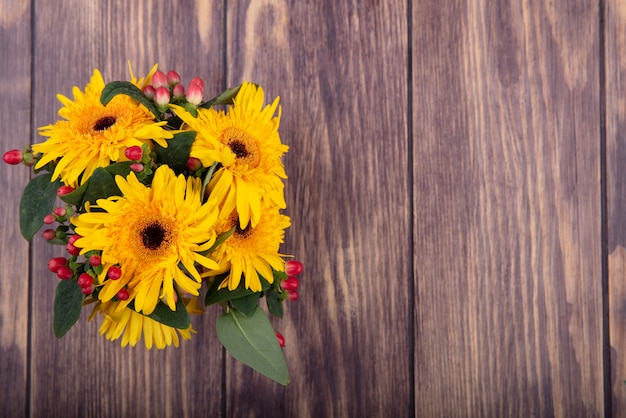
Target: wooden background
[457,192]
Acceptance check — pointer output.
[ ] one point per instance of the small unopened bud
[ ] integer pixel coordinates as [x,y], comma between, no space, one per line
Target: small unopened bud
[49,219]
[281,339]
[193,164]
[13,157]
[136,167]
[60,212]
[173,78]
[293,267]
[159,79]
[194,94]
[178,91]
[29,159]
[162,96]
[149,91]
[133,153]
[63,190]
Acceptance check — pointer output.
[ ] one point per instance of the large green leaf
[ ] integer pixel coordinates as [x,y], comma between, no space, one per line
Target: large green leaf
[127,88]
[177,152]
[37,201]
[163,314]
[101,185]
[77,197]
[247,304]
[252,340]
[68,302]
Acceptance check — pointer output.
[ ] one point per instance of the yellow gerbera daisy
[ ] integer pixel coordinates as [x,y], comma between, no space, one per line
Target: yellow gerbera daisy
[93,135]
[246,143]
[149,233]
[251,251]
[122,321]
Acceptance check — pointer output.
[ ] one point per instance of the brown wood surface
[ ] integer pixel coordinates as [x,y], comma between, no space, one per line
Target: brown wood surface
[456,193]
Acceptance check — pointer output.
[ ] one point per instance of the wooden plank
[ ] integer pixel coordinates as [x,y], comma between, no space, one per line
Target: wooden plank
[340,69]
[15,47]
[507,208]
[615,48]
[83,374]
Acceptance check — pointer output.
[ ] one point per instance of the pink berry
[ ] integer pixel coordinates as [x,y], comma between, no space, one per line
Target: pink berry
[194,94]
[95,260]
[198,81]
[85,280]
[136,167]
[162,96]
[149,91]
[293,267]
[64,273]
[49,219]
[88,290]
[63,190]
[172,77]
[133,153]
[159,79]
[56,262]
[292,295]
[115,273]
[290,283]
[49,234]
[178,91]
[60,211]
[13,157]
[281,339]
[123,294]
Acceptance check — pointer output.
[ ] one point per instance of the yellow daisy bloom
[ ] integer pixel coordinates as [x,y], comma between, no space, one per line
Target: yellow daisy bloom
[93,135]
[154,234]
[246,143]
[121,321]
[251,251]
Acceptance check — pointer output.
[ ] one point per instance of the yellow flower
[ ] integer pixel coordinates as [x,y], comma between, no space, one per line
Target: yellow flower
[92,135]
[154,234]
[246,143]
[122,321]
[252,251]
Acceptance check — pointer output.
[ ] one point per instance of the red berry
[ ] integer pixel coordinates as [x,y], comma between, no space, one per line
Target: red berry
[95,260]
[134,153]
[293,267]
[60,211]
[63,190]
[49,234]
[292,295]
[13,157]
[290,283]
[85,280]
[281,339]
[56,262]
[88,290]
[193,164]
[64,273]
[123,294]
[115,273]
[49,219]
[148,91]
[73,238]
[136,167]
[72,250]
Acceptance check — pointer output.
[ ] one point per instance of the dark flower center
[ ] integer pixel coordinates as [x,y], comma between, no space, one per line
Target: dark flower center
[239,148]
[244,233]
[153,236]
[104,123]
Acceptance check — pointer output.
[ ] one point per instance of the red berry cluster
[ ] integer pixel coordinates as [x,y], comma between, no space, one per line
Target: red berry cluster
[166,88]
[290,285]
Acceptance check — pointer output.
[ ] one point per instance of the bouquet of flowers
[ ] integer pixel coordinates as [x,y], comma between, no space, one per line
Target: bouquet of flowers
[165,204]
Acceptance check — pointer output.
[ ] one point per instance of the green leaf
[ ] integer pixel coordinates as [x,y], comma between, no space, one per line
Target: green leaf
[252,340]
[214,295]
[101,185]
[37,201]
[177,152]
[76,198]
[274,304]
[225,98]
[120,169]
[68,302]
[247,304]
[127,88]
[163,314]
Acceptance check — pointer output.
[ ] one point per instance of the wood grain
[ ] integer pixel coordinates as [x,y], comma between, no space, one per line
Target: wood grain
[83,375]
[507,209]
[615,47]
[340,69]
[15,112]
